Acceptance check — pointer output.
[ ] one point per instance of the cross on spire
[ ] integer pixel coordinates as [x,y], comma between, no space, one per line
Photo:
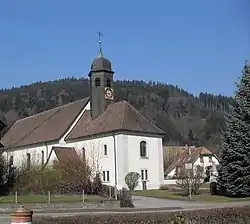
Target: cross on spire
[100,44]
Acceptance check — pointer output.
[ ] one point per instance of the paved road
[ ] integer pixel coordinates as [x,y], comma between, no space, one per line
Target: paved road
[142,204]
[149,202]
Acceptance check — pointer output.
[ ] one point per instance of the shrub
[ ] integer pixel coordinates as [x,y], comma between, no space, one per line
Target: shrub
[195,179]
[97,185]
[208,216]
[164,187]
[132,180]
[126,199]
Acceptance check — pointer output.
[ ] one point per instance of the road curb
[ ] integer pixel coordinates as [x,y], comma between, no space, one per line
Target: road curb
[99,210]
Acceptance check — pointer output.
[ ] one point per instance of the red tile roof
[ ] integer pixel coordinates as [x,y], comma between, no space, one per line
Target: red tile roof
[43,127]
[51,125]
[120,116]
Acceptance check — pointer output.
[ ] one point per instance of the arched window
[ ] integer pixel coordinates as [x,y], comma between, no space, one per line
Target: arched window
[108,84]
[42,158]
[11,160]
[28,161]
[83,155]
[143,149]
[97,82]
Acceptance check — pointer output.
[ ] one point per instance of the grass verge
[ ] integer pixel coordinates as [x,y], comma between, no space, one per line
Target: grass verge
[54,198]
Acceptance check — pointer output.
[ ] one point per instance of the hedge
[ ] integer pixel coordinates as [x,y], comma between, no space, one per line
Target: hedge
[208,216]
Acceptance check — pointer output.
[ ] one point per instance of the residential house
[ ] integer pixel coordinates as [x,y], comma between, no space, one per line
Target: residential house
[199,156]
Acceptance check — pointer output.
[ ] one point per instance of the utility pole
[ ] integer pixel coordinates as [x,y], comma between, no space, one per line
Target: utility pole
[189,167]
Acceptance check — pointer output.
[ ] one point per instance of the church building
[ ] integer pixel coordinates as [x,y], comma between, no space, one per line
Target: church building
[113,137]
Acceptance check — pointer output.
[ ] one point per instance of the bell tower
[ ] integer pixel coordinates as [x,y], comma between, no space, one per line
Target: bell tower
[101,83]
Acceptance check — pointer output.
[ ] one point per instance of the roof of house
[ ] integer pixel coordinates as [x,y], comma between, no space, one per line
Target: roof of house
[118,116]
[183,158]
[46,126]
[52,124]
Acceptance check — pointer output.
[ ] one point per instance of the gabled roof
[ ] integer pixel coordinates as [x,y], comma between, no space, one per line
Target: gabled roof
[44,127]
[183,158]
[119,116]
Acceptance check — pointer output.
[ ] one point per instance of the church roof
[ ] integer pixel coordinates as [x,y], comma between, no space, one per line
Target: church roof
[100,64]
[51,125]
[119,116]
[47,126]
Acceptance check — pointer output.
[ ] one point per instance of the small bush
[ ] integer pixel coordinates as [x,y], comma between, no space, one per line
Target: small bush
[208,216]
[126,199]
[132,180]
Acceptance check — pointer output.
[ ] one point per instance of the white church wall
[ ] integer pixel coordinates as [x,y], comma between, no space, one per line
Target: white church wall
[37,153]
[96,157]
[153,163]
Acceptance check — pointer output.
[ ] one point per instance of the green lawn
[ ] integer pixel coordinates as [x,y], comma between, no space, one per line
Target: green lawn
[203,197]
[54,198]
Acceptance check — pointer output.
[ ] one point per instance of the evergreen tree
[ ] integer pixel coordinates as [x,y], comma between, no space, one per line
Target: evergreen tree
[234,170]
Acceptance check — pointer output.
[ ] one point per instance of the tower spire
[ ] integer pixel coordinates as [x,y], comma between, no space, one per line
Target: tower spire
[100,44]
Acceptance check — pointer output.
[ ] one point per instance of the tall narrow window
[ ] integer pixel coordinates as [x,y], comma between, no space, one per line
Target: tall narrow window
[108,84]
[108,176]
[103,176]
[97,82]
[42,158]
[105,150]
[144,175]
[11,160]
[201,160]
[210,159]
[83,155]
[143,149]
[28,161]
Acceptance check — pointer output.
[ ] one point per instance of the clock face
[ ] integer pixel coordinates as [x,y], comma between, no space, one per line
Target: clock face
[109,94]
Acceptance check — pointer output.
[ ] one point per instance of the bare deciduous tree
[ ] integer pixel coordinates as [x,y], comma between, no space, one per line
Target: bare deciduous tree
[195,178]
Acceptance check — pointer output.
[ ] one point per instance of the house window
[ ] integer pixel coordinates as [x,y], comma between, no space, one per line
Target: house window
[28,161]
[105,150]
[105,176]
[210,159]
[108,84]
[144,175]
[143,149]
[42,158]
[97,82]
[201,160]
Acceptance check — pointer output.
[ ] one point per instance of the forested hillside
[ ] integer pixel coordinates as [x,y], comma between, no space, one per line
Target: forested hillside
[182,116]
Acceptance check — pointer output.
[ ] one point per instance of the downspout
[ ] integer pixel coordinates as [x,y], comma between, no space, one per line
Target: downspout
[115,160]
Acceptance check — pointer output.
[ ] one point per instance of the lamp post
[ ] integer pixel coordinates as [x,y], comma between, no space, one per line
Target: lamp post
[189,167]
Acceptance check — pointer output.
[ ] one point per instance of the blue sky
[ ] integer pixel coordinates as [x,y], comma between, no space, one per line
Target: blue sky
[197,45]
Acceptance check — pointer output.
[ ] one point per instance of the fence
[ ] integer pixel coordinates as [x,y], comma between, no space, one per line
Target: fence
[49,197]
